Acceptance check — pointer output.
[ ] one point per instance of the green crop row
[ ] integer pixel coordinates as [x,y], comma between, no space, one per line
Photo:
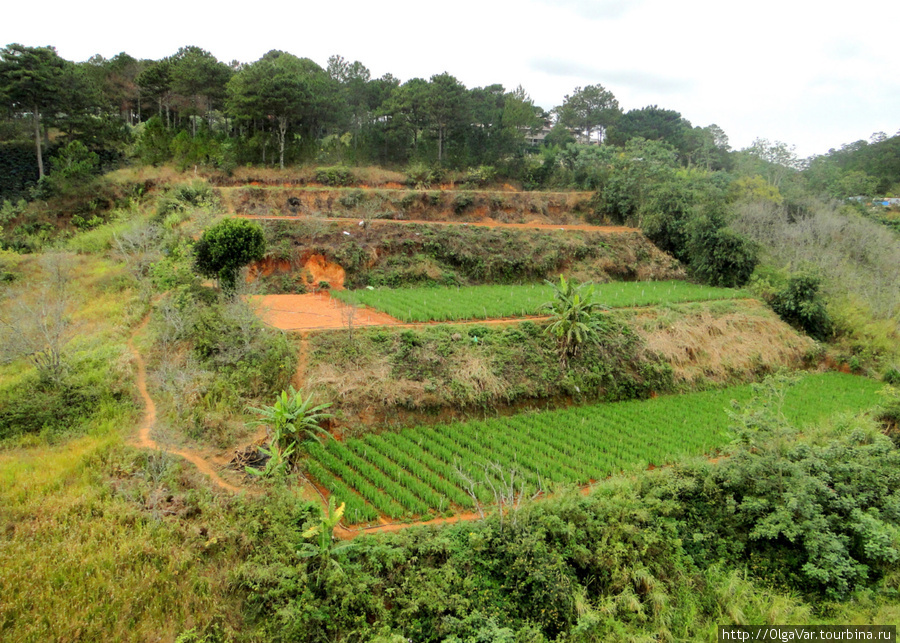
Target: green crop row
[428,470]
[494,301]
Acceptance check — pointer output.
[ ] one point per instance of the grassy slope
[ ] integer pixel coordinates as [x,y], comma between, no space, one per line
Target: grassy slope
[483,368]
[100,542]
[88,552]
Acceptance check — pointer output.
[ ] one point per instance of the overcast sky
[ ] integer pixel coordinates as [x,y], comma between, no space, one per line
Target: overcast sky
[813,74]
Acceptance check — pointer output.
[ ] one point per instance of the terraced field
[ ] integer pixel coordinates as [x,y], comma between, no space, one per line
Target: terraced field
[423,471]
[494,301]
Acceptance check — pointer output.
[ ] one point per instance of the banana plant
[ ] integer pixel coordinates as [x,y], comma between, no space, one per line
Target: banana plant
[325,549]
[574,317]
[292,418]
[277,465]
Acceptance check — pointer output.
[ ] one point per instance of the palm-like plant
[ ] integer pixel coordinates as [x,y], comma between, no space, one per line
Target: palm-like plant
[574,318]
[290,420]
[325,549]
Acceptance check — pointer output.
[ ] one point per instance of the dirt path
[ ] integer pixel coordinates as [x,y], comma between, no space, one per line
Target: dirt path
[479,224]
[315,311]
[145,439]
[302,360]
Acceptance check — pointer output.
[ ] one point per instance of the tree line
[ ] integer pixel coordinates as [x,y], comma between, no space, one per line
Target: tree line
[194,110]
[286,109]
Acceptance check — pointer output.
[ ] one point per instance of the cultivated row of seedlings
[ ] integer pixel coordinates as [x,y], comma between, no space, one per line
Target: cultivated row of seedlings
[433,470]
[492,301]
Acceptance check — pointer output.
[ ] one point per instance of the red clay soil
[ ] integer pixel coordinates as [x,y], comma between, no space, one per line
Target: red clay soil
[480,224]
[144,438]
[316,269]
[317,311]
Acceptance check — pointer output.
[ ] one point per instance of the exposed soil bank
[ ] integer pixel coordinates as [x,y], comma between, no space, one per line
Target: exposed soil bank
[385,254]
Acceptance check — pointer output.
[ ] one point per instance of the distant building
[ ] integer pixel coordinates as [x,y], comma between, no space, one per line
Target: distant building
[536,137]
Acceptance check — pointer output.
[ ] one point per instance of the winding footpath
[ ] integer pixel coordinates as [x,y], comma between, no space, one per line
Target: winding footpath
[144,438]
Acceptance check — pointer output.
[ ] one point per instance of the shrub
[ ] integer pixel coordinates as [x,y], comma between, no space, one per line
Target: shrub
[719,256]
[480,176]
[352,199]
[892,376]
[336,176]
[800,304]
[226,248]
[463,201]
[420,175]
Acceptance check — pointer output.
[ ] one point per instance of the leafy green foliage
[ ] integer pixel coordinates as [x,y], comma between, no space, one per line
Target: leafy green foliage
[574,317]
[293,419]
[336,176]
[819,516]
[589,109]
[226,248]
[420,175]
[800,303]
[640,555]
[72,167]
[719,256]
[325,552]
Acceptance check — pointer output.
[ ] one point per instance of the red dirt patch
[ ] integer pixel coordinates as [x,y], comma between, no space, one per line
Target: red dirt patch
[314,312]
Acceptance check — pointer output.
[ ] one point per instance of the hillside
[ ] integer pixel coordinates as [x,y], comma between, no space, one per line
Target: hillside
[153,455]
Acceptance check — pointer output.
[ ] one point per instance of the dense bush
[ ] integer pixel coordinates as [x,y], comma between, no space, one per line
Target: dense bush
[819,516]
[800,303]
[718,256]
[226,248]
[420,175]
[37,405]
[336,176]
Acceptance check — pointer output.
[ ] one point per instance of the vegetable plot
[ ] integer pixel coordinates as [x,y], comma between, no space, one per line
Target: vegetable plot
[493,301]
[433,470]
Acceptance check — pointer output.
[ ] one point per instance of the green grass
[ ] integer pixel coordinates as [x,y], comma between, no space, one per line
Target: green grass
[493,301]
[417,472]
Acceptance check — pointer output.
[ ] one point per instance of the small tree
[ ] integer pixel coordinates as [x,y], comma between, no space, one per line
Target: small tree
[574,317]
[325,551]
[291,420]
[719,256]
[42,329]
[800,304]
[226,248]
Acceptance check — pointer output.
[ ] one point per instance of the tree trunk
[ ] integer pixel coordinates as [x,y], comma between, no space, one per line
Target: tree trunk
[37,141]
[282,131]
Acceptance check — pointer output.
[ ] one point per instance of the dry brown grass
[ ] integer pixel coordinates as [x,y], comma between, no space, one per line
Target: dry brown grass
[390,200]
[708,343]
[477,377]
[370,383]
